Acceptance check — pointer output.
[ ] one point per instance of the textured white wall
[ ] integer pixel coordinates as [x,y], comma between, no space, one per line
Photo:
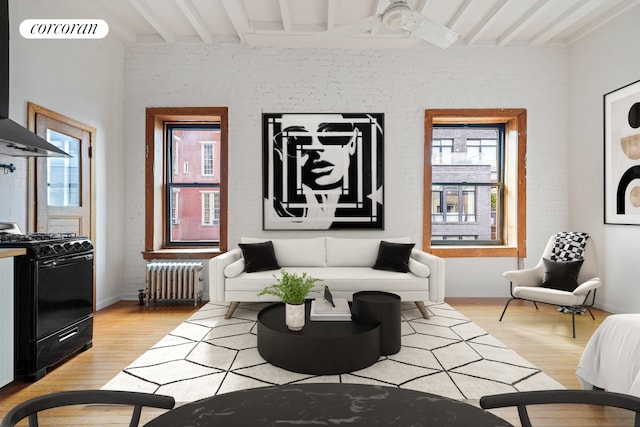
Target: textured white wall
[561,88]
[600,63]
[81,79]
[399,83]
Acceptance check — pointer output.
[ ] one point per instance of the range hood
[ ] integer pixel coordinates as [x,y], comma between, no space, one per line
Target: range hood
[15,140]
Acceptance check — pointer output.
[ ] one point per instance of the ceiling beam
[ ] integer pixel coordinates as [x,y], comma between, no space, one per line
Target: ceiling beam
[285,14]
[600,20]
[353,41]
[485,22]
[149,15]
[459,12]
[521,24]
[381,5]
[238,17]
[567,19]
[116,25]
[421,6]
[332,6]
[195,19]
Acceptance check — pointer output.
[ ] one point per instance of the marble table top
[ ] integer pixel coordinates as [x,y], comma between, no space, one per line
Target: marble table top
[328,404]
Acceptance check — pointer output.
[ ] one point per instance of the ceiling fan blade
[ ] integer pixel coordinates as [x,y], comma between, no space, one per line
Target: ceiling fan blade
[357,27]
[431,31]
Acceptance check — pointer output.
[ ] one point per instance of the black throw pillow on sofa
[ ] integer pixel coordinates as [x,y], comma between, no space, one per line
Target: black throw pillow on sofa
[393,256]
[259,256]
[561,275]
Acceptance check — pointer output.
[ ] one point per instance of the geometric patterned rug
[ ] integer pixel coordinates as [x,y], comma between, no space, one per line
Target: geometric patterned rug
[446,354]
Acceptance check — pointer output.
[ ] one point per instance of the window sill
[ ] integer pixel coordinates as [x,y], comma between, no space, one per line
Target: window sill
[474,251]
[182,253]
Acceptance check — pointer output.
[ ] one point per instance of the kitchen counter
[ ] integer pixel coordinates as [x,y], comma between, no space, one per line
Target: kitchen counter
[7,253]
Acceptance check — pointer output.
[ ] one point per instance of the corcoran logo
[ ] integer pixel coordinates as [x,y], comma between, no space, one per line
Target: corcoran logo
[64,29]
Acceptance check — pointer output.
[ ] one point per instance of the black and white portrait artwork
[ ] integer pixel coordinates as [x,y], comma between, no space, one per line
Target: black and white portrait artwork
[323,171]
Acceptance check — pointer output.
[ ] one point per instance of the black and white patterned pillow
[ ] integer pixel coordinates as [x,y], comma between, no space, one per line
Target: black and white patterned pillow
[569,246]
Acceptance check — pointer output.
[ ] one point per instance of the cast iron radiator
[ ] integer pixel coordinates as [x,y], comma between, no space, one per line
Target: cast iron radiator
[174,281]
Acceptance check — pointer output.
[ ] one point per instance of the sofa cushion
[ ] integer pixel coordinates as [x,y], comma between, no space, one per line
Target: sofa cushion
[338,279]
[352,252]
[259,256]
[235,268]
[297,252]
[393,256]
[418,268]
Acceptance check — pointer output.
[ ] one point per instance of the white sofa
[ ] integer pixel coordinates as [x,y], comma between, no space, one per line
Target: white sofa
[343,264]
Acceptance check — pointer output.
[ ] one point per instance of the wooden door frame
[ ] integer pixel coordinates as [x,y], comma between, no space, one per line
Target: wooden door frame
[32,111]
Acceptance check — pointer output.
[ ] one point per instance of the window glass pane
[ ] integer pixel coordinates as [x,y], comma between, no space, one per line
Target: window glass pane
[470,152]
[193,154]
[193,184]
[194,216]
[63,173]
[466,174]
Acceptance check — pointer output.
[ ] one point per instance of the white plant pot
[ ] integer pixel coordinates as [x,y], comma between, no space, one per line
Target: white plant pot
[294,316]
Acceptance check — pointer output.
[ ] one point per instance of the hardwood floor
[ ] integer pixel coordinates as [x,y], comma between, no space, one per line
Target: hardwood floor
[125,330]
[544,338]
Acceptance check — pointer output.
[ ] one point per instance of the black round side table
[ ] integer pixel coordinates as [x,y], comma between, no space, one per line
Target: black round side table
[380,308]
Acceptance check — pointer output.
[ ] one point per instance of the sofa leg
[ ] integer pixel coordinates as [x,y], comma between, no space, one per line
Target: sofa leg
[231,309]
[422,309]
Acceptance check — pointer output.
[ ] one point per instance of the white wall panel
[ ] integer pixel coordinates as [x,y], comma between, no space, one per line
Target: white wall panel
[600,63]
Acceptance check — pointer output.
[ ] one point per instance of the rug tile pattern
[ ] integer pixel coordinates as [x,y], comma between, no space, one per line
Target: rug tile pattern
[446,354]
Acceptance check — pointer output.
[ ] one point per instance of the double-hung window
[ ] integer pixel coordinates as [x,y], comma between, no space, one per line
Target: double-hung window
[186,188]
[475,182]
[467,184]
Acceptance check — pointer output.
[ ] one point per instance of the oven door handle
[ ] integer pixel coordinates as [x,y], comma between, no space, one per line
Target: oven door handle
[66,260]
[68,334]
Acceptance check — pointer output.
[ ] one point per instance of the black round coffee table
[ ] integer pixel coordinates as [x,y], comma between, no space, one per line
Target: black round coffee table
[321,347]
[334,404]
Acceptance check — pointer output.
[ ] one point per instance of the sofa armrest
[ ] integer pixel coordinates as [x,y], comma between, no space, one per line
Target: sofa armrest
[436,278]
[216,273]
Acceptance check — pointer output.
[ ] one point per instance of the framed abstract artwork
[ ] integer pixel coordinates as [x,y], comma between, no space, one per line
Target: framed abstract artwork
[622,155]
[323,171]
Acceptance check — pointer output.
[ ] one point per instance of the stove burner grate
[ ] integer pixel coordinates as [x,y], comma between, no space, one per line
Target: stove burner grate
[33,237]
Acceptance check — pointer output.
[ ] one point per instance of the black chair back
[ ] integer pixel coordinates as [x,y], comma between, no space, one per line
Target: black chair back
[32,407]
[586,397]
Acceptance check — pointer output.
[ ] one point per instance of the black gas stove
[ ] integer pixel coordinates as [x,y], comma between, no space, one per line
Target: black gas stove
[46,245]
[53,288]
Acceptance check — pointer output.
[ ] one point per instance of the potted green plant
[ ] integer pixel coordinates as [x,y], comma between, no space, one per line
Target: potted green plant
[292,289]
